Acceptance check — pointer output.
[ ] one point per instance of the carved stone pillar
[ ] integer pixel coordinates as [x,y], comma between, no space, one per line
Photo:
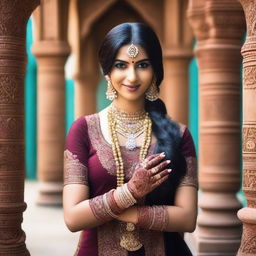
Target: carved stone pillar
[248,214]
[177,55]
[86,79]
[218,26]
[51,50]
[13,19]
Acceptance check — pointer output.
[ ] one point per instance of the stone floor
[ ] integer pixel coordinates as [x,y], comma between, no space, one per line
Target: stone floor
[45,229]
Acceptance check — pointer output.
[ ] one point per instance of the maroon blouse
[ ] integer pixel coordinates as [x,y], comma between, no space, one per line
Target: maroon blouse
[88,160]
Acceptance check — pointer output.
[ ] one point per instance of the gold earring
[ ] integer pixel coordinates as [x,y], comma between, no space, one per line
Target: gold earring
[152,92]
[111,93]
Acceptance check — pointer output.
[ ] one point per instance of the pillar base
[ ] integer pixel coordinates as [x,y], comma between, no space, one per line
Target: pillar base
[203,246]
[50,193]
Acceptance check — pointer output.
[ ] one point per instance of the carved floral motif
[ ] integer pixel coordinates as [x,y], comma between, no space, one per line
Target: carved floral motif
[11,127]
[248,244]
[249,182]
[249,77]
[250,14]
[11,91]
[249,139]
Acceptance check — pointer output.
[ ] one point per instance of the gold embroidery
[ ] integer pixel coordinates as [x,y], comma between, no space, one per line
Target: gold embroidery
[104,149]
[190,179]
[74,170]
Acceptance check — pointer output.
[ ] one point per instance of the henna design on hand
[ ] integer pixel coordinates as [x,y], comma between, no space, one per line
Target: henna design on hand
[146,178]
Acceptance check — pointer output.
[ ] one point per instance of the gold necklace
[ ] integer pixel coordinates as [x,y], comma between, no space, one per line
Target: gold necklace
[129,125]
[130,238]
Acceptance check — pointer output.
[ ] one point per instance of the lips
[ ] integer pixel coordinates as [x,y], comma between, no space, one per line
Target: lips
[131,88]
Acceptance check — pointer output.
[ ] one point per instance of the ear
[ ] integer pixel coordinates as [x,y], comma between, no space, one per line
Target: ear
[107,77]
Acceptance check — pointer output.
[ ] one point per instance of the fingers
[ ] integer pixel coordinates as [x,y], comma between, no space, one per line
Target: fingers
[147,160]
[160,167]
[161,174]
[154,161]
[161,180]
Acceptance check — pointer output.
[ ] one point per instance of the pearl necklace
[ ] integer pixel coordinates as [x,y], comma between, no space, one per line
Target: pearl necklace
[129,238]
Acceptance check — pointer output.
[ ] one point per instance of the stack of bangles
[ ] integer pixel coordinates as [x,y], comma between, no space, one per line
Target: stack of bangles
[106,207]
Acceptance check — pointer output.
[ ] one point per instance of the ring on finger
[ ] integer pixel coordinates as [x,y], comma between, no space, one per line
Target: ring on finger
[157,177]
[154,170]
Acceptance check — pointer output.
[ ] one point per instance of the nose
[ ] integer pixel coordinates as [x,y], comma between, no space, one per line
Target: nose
[131,74]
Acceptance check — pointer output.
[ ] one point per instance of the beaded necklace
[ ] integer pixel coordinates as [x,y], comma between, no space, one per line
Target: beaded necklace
[147,130]
[129,239]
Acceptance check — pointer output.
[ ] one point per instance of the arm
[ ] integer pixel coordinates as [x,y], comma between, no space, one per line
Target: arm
[77,211]
[82,213]
[181,216]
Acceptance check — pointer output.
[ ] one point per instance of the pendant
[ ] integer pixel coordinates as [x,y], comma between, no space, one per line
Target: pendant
[131,142]
[130,238]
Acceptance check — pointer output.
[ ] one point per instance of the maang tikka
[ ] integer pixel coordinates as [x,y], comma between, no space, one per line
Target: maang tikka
[132,51]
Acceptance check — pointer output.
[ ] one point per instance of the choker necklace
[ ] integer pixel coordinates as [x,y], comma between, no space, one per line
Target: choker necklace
[129,239]
[129,125]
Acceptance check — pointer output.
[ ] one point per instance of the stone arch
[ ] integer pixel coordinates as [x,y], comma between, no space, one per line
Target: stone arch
[149,11]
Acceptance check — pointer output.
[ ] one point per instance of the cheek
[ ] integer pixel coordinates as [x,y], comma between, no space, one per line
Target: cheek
[116,76]
[147,78]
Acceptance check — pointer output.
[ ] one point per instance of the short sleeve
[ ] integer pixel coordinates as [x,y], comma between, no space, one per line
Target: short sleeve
[76,154]
[189,153]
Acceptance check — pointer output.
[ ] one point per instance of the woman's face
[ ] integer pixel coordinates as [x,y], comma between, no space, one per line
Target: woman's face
[131,77]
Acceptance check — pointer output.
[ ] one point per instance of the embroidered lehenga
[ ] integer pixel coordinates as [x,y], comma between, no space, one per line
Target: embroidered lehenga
[89,160]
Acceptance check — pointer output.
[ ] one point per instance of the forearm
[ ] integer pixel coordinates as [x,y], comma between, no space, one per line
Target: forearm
[80,216]
[98,210]
[161,218]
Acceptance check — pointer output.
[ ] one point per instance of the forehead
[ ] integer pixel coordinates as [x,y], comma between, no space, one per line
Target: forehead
[122,53]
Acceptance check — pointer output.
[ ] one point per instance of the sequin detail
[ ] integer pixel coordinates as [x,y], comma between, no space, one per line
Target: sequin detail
[74,170]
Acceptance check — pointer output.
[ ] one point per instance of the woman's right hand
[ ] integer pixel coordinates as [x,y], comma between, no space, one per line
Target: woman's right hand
[148,175]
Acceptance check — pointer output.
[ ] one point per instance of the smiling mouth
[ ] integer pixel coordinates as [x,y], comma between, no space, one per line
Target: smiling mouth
[131,86]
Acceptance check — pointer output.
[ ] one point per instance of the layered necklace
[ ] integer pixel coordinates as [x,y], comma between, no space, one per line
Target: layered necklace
[129,126]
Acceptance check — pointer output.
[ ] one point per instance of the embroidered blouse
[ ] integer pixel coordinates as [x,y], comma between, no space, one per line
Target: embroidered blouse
[88,160]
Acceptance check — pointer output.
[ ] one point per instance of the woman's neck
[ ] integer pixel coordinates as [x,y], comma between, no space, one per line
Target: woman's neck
[129,106]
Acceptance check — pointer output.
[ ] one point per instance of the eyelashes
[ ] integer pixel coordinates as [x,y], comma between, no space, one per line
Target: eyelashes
[142,65]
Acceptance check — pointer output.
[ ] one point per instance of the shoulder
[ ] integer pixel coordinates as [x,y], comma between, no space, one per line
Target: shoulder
[81,123]
[186,143]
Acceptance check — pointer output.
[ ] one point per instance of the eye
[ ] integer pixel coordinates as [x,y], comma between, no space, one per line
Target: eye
[120,65]
[143,65]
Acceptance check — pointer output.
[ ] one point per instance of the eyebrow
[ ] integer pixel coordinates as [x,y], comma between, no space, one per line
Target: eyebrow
[128,62]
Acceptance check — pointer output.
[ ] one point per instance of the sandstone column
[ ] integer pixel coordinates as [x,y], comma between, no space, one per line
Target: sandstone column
[51,50]
[248,214]
[218,26]
[86,78]
[13,19]
[177,55]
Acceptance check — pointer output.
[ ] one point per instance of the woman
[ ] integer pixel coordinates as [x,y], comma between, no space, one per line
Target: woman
[130,171]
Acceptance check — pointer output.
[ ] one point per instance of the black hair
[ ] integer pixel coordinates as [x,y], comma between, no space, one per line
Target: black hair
[166,131]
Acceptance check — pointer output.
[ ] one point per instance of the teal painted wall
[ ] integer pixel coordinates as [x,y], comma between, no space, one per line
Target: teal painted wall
[193,101]
[30,108]
[70,114]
